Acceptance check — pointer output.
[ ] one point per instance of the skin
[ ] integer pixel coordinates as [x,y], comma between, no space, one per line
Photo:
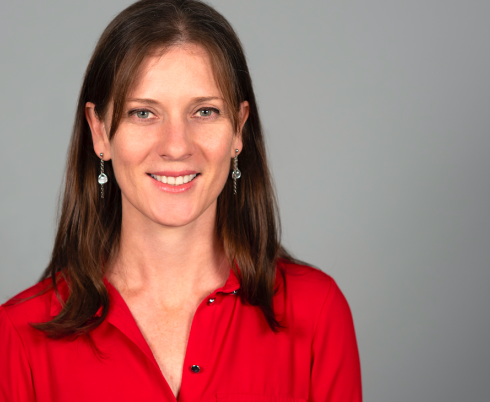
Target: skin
[170,257]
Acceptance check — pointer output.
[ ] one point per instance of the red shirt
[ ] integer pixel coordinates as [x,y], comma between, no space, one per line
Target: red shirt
[232,355]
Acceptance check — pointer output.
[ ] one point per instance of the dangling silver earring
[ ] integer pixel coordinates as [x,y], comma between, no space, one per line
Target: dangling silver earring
[235,174]
[102,177]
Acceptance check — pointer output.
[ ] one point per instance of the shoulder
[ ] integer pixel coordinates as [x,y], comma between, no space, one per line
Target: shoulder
[304,280]
[305,292]
[32,305]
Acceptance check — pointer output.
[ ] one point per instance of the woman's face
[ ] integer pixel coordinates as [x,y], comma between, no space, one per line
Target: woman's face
[172,150]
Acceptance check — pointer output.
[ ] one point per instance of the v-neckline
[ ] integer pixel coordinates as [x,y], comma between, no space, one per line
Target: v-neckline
[120,316]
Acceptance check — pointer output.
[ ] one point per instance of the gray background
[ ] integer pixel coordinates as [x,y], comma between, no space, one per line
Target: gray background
[377,122]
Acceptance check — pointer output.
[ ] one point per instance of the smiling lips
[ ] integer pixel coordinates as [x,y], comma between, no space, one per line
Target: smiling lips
[174,181]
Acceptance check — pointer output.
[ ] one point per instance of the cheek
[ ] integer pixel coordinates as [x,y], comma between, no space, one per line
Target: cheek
[214,139]
[216,151]
[128,151]
[221,165]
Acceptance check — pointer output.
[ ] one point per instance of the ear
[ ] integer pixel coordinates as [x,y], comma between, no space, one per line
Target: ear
[242,118]
[100,136]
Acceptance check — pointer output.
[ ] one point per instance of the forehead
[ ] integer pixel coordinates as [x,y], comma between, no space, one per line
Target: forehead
[178,72]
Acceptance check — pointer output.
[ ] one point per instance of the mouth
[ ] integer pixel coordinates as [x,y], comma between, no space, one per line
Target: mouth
[174,180]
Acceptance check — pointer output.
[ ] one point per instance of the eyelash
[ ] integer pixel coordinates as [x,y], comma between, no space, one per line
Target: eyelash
[214,110]
[133,112]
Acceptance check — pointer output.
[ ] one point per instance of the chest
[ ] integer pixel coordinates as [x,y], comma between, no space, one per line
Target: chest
[167,334]
[237,354]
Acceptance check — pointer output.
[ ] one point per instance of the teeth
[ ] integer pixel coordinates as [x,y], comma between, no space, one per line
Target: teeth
[174,181]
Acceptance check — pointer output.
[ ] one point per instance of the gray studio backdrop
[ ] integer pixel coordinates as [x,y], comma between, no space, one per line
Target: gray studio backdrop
[377,123]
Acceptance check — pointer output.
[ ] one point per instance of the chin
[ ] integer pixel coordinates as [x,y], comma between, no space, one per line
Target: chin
[174,222]
[175,217]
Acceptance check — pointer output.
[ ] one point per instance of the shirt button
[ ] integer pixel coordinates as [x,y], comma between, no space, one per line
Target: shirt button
[211,301]
[195,369]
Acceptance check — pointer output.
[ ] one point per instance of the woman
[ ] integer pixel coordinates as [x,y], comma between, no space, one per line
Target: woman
[169,219]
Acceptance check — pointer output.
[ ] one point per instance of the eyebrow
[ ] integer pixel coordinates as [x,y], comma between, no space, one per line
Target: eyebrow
[144,100]
[198,99]
[206,98]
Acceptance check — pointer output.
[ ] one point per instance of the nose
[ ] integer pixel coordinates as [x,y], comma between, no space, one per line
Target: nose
[174,142]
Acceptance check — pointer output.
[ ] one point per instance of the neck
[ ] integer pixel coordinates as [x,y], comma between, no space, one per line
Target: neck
[170,264]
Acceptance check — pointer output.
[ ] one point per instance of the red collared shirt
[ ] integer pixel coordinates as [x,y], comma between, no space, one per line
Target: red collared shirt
[232,355]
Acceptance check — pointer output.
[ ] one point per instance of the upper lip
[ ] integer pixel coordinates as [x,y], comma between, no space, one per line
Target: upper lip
[169,173]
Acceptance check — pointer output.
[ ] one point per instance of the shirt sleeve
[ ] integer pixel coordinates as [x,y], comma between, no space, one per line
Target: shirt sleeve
[15,371]
[335,366]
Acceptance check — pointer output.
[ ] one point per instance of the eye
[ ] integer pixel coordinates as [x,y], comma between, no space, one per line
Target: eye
[142,114]
[207,112]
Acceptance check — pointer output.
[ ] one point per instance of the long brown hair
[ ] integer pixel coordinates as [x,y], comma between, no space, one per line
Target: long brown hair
[89,227]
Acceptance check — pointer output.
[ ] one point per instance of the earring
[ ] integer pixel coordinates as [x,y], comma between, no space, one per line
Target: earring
[102,177]
[235,174]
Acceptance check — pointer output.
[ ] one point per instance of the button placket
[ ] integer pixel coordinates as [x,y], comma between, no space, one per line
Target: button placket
[194,377]
[200,343]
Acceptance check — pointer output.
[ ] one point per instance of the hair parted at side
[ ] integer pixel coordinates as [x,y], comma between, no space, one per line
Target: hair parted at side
[89,228]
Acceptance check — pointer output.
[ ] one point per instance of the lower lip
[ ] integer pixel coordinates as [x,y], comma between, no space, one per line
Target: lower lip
[174,189]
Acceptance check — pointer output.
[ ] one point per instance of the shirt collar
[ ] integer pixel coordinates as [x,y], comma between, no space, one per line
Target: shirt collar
[231,285]
[57,304]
